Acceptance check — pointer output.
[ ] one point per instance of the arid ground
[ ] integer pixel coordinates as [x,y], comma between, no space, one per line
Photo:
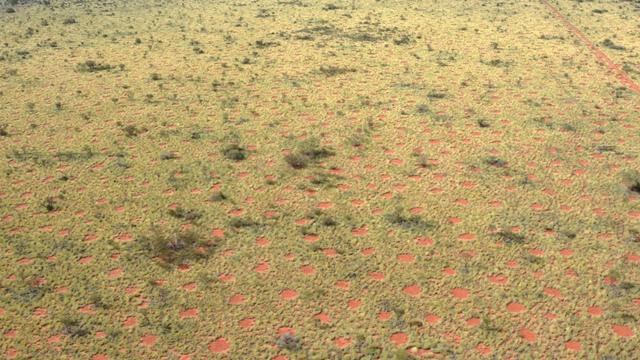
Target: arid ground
[297,179]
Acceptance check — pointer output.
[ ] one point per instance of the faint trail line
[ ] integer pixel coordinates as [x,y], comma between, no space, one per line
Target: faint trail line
[622,76]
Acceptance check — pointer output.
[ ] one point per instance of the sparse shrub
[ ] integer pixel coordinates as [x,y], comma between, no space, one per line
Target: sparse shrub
[263,13]
[92,66]
[329,7]
[181,213]
[483,123]
[314,150]
[239,223]
[403,40]
[288,341]
[497,63]
[261,44]
[3,130]
[71,327]
[611,45]
[297,161]
[329,221]
[218,196]
[168,155]
[436,95]
[155,77]
[332,70]
[310,151]
[327,180]
[358,139]
[132,131]
[69,21]
[173,247]
[235,152]
[51,204]
[631,181]
[495,161]
[409,222]
[423,161]
[511,238]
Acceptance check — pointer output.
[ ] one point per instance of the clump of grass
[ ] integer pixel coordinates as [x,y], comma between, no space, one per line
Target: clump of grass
[332,70]
[184,214]
[235,152]
[308,152]
[69,21]
[155,77]
[170,247]
[3,130]
[91,66]
[288,341]
[406,221]
[608,43]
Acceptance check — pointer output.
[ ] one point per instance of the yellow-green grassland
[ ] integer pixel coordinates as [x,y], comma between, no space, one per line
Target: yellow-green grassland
[334,179]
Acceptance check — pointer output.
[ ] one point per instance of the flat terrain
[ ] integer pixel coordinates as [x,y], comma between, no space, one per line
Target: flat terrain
[297,179]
